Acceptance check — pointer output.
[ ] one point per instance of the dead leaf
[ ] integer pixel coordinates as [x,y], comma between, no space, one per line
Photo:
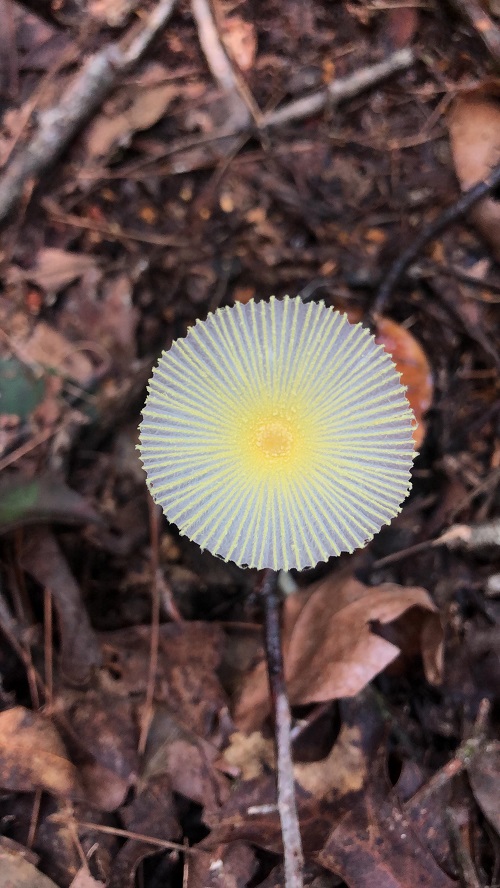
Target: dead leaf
[187,684]
[228,866]
[188,760]
[135,107]
[33,756]
[152,813]
[104,741]
[411,361]
[250,754]
[55,269]
[330,650]
[49,348]
[474,126]
[374,847]
[401,24]
[484,775]
[42,557]
[240,40]
[83,879]
[41,500]
[112,12]
[16,871]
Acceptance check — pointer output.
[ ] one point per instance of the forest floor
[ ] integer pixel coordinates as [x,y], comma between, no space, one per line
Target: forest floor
[136,743]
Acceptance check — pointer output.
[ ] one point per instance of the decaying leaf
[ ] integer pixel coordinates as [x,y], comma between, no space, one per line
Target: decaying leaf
[41,500]
[55,269]
[83,879]
[240,40]
[484,775]
[330,649]
[17,869]
[474,125]
[32,755]
[133,108]
[231,866]
[48,347]
[374,845]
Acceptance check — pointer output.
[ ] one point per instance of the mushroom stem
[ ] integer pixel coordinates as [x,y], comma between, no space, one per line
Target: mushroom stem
[287,808]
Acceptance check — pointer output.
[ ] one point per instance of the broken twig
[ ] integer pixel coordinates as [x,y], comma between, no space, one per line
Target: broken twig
[287,807]
[451,214]
[340,90]
[59,124]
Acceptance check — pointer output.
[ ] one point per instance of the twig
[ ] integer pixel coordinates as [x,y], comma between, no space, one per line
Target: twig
[287,807]
[140,837]
[59,124]
[466,872]
[112,232]
[451,214]
[483,24]
[219,63]
[340,90]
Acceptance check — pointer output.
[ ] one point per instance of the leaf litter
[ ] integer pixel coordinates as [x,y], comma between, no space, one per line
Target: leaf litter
[153,216]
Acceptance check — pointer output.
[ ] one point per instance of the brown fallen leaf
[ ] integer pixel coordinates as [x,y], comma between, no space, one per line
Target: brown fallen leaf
[474,126]
[42,557]
[228,866]
[83,879]
[17,869]
[49,348]
[33,756]
[484,776]
[152,813]
[240,40]
[330,649]
[186,679]
[55,268]
[374,847]
[103,740]
[135,107]
[187,759]
[411,361]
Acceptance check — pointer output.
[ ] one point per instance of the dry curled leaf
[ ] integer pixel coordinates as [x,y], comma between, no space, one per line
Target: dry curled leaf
[474,125]
[32,755]
[330,649]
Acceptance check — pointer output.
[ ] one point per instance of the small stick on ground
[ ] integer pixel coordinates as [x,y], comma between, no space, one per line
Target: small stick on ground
[462,206]
[294,860]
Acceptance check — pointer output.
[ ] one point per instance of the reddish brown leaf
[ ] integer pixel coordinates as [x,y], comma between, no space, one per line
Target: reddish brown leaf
[374,847]
[32,755]
[411,361]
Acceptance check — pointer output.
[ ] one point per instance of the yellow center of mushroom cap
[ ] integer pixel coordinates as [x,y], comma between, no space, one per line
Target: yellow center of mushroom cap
[274,439]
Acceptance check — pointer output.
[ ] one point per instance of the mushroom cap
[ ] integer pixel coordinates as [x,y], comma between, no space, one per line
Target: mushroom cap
[277,434]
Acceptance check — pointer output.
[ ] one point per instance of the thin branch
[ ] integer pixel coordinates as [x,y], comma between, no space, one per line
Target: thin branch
[451,214]
[292,844]
[60,124]
[340,90]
